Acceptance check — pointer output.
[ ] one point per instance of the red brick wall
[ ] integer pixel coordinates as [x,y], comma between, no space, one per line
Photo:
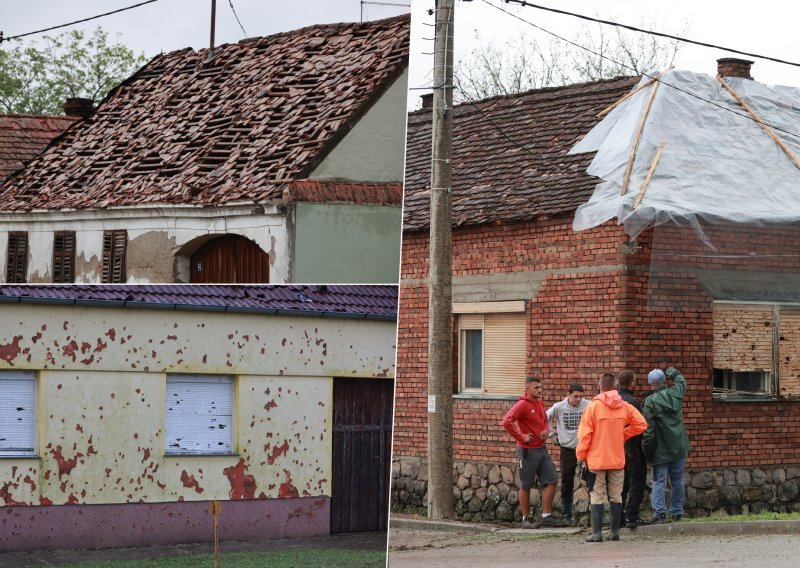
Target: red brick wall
[586,321]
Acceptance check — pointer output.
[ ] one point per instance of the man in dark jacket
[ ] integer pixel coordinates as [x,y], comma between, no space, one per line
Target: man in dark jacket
[635,463]
[666,443]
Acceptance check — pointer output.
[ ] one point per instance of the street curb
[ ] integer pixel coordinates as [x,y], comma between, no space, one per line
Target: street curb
[454,526]
[711,528]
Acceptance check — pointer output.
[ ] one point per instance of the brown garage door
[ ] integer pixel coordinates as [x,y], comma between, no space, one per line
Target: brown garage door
[362,440]
[230,260]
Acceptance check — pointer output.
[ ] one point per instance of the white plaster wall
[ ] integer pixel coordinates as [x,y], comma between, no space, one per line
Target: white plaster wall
[374,150]
[180,225]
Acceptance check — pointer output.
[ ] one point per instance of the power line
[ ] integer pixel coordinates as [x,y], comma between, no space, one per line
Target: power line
[75,22]
[235,15]
[524,3]
[654,78]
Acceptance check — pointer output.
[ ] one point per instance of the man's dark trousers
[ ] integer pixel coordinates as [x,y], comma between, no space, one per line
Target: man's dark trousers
[568,464]
[635,479]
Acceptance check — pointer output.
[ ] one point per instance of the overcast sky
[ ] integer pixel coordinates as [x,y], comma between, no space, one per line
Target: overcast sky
[767,27]
[167,25]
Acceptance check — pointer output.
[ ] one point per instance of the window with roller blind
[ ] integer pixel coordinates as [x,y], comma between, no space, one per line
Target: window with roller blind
[756,351]
[491,347]
[115,245]
[17,414]
[199,415]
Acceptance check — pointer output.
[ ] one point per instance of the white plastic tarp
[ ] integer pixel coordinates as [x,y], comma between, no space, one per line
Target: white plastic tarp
[717,163]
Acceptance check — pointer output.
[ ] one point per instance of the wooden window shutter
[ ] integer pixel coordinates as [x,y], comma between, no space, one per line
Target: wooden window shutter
[64,257]
[17,258]
[114,246]
[789,353]
[17,413]
[743,337]
[504,353]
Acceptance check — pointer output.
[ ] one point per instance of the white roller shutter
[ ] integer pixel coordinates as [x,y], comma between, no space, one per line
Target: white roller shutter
[17,413]
[199,414]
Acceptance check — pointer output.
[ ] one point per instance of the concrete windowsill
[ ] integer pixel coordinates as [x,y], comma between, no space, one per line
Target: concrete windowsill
[483,396]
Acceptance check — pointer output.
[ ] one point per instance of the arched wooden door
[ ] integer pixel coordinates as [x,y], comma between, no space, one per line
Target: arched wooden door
[230,260]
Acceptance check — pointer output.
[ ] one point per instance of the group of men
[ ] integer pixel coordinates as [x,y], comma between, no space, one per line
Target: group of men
[613,438]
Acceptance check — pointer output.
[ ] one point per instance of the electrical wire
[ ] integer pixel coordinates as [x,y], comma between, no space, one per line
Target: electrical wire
[235,15]
[75,22]
[655,78]
[524,3]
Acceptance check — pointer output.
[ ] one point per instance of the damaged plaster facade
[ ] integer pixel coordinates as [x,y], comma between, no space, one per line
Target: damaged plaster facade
[101,376]
[187,152]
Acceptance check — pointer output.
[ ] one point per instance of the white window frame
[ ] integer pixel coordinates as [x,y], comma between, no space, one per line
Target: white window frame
[184,426]
[462,358]
[18,391]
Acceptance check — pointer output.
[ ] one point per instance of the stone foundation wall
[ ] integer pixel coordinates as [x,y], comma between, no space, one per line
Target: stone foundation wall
[489,492]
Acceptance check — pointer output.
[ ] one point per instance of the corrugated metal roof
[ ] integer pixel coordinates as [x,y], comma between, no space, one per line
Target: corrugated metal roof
[372,302]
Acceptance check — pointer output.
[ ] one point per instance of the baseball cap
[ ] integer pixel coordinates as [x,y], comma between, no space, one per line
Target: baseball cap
[656,377]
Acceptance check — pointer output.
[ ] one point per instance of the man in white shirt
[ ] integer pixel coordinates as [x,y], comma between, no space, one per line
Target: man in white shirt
[564,418]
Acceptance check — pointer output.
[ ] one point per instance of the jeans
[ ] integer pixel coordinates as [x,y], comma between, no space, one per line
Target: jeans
[635,480]
[676,495]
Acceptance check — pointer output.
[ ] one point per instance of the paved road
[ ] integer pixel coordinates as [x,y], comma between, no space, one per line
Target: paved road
[353,541]
[438,549]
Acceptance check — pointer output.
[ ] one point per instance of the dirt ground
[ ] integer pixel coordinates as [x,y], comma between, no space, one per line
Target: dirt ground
[437,549]
[353,541]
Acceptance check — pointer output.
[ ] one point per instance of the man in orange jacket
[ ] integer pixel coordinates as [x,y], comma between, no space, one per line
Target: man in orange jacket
[605,425]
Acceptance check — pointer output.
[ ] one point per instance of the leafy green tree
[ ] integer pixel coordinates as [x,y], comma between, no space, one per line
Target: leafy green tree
[38,78]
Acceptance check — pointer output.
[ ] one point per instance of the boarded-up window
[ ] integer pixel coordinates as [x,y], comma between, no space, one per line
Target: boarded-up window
[743,350]
[17,413]
[199,417]
[17,258]
[499,339]
[114,246]
[64,257]
[789,353]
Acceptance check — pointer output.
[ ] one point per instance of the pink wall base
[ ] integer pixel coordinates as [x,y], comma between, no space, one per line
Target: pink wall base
[141,524]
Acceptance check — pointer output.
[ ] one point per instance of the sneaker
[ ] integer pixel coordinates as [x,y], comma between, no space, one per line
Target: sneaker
[550,521]
[633,523]
[527,523]
[658,520]
[675,518]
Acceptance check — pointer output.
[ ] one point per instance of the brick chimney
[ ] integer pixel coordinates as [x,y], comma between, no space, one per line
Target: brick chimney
[427,100]
[78,107]
[733,67]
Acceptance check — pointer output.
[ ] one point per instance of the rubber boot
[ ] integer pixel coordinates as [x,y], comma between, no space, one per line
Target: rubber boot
[566,509]
[616,517]
[597,524]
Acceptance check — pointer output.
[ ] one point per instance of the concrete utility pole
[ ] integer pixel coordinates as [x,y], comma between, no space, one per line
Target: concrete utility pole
[440,303]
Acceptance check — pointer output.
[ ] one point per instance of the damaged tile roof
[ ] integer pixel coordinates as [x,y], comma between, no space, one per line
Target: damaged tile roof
[323,191]
[24,136]
[182,130]
[323,301]
[494,180]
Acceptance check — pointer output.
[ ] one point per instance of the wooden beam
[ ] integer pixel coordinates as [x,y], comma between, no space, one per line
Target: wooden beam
[763,124]
[649,175]
[629,95]
[632,156]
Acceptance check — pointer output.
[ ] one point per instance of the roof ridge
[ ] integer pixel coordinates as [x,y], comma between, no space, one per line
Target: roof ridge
[24,115]
[536,91]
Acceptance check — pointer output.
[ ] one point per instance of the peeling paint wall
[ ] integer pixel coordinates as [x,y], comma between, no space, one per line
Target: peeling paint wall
[154,240]
[101,401]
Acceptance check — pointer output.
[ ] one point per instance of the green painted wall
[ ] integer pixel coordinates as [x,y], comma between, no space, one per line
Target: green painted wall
[337,243]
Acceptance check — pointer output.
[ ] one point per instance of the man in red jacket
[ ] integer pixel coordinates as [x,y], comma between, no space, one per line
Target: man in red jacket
[527,423]
[605,425]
